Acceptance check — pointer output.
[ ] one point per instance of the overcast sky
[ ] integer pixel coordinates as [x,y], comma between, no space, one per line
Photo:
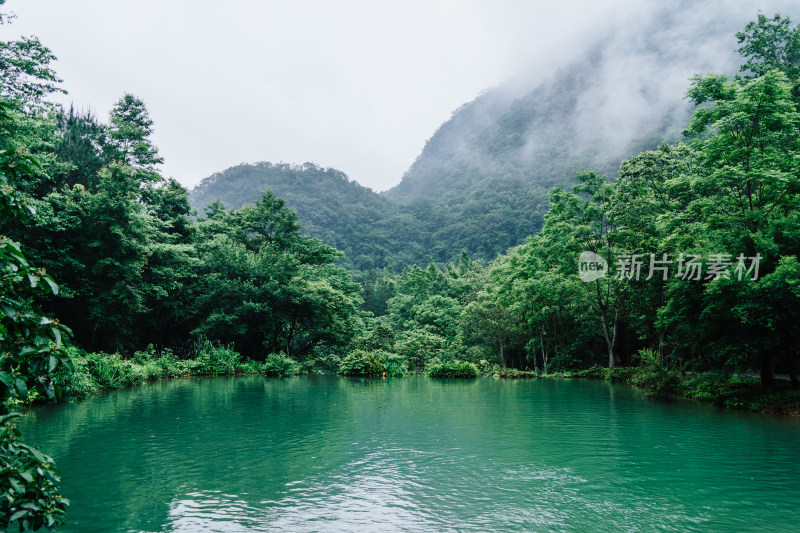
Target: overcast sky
[356,85]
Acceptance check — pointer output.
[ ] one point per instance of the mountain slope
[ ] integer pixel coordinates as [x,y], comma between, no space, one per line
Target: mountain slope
[481,181]
[330,207]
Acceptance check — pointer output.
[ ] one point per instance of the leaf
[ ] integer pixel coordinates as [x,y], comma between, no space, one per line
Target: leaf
[8,310]
[53,363]
[17,485]
[7,378]
[22,387]
[68,364]
[51,284]
[50,390]
[56,334]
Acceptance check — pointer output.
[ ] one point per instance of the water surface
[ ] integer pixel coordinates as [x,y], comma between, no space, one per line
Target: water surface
[337,454]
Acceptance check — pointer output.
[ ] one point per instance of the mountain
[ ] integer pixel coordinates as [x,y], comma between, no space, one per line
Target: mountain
[330,207]
[482,180]
[621,95]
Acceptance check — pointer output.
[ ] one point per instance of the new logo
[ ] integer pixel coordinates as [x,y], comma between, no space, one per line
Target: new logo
[591,266]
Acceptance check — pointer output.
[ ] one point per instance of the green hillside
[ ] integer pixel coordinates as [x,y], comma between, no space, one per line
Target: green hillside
[481,182]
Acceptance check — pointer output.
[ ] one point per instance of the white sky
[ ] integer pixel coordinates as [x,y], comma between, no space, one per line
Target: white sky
[357,85]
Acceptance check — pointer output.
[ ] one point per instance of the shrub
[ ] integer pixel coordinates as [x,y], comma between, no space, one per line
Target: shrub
[396,365]
[77,381]
[488,369]
[363,363]
[108,370]
[621,374]
[513,373]
[145,356]
[453,369]
[654,377]
[173,367]
[596,372]
[249,366]
[278,364]
[29,483]
[418,348]
[215,360]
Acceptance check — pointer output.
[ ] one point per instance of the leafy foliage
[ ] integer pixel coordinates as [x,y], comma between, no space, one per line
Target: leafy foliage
[215,359]
[29,495]
[453,369]
[30,350]
[280,365]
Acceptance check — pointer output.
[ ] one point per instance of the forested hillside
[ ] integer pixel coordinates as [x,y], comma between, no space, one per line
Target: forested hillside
[372,230]
[481,182]
[375,231]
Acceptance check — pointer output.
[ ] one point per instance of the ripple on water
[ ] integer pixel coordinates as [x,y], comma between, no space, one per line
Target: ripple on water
[328,454]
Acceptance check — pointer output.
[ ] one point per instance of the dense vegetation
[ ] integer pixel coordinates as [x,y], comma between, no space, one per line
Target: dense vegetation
[701,240]
[375,232]
[82,202]
[481,182]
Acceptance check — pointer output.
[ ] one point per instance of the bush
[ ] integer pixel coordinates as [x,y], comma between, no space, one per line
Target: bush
[372,363]
[654,377]
[513,373]
[75,382]
[110,371]
[172,367]
[453,369]
[28,483]
[215,360]
[485,368]
[278,364]
[621,374]
[396,365]
[712,387]
[418,348]
[248,366]
[148,355]
[596,372]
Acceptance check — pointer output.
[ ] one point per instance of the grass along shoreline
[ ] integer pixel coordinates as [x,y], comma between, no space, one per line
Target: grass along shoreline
[729,391]
[93,373]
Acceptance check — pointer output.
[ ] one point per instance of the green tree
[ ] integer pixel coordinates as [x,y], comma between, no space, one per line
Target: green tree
[129,134]
[265,287]
[585,220]
[26,76]
[770,44]
[747,181]
[30,350]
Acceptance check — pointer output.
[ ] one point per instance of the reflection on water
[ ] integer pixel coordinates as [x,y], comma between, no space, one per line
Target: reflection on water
[334,454]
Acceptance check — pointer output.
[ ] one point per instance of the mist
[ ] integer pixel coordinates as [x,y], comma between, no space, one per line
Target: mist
[612,92]
[361,86]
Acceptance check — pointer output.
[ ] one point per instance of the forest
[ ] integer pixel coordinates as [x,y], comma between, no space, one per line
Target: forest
[111,278]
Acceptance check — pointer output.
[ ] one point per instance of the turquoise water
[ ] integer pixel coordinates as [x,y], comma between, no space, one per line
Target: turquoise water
[336,454]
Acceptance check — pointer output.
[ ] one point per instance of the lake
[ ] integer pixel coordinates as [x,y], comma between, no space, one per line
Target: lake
[325,453]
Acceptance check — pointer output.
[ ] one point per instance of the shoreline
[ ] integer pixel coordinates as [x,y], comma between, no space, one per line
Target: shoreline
[95,374]
[730,392]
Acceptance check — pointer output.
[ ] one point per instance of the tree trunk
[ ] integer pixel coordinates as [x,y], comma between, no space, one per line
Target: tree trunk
[767,369]
[606,334]
[544,354]
[609,340]
[789,362]
[615,342]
